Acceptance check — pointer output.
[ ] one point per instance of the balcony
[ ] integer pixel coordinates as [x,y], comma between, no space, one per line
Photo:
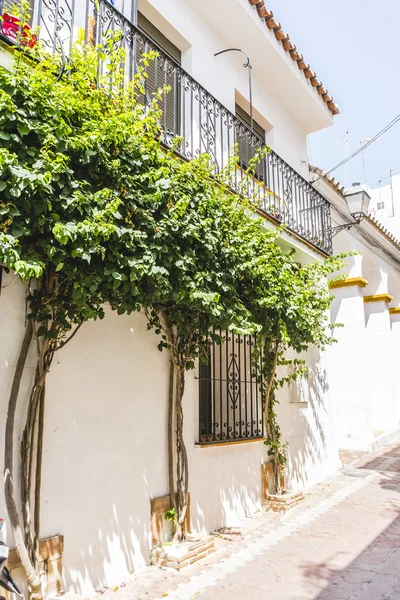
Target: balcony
[193,114]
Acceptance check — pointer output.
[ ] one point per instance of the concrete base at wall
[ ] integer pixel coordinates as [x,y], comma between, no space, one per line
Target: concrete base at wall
[177,556]
[50,565]
[284,502]
[6,56]
[161,529]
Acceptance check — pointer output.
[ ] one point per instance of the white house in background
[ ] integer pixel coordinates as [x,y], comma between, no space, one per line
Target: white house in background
[363,366]
[385,203]
[105,452]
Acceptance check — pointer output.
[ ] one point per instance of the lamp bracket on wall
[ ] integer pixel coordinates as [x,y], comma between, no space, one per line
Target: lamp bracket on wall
[358,217]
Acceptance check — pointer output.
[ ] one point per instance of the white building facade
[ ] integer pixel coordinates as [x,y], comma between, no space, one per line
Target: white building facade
[363,364]
[105,449]
[385,203]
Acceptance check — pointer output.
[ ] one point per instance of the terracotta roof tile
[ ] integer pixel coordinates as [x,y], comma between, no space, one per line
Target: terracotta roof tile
[272,24]
[315,82]
[268,16]
[295,55]
[288,45]
[371,219]
[334,184]
[302,65]
[281,36]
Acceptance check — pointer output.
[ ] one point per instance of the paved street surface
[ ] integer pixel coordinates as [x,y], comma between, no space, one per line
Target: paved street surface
[341,543]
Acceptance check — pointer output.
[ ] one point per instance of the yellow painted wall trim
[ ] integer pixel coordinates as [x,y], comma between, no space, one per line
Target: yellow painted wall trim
[231,443]
[395,310]
[360,281]
[378,298]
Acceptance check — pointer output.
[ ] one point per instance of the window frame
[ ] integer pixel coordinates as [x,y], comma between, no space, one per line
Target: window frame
[230,406]
[159,38]
[244,116]
[248,142]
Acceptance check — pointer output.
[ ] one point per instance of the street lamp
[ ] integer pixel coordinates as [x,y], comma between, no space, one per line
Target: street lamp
[357,200]
[247,65]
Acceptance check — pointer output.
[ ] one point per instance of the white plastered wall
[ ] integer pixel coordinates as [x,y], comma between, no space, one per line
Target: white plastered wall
[363,365]
[105,442]
[388,195]
[225,77]
[306,419]
[105,434]
[105,445]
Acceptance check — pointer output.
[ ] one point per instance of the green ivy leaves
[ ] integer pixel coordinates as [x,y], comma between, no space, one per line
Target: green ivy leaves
[95,209]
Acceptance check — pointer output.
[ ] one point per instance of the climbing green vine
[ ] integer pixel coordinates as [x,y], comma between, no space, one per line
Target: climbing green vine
[95,212]
[290,301]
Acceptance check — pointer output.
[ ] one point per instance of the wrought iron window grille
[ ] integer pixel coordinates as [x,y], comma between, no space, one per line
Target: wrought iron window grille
[230,398]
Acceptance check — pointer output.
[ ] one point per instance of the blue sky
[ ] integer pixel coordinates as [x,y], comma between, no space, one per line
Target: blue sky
[352,45]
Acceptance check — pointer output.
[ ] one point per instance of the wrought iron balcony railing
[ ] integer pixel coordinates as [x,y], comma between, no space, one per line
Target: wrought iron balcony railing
[192,113]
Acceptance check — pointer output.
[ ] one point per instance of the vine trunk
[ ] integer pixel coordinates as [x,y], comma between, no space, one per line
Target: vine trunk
[271,356]
[20,535]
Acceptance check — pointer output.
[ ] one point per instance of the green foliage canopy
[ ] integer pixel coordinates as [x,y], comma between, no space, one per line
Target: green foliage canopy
[94,207]
[94,211]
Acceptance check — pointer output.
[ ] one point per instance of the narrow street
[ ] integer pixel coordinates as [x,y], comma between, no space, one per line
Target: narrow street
[199,286]
[342,543]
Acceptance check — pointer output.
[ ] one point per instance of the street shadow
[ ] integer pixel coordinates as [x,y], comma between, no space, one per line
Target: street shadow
[228,506]
[388,464]
[373,573]
[307,426]
[353,580]
[102,460]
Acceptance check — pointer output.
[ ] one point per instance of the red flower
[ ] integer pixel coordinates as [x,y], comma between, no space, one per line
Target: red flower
[11,28]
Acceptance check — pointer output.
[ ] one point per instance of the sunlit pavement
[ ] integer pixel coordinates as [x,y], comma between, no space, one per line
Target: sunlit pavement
[342,543]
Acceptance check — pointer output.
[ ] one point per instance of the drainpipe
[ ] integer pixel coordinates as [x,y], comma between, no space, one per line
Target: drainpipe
[134,12]
[247,65]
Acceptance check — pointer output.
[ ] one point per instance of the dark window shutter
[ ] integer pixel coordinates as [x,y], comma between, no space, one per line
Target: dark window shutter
[248,144]
[162,71]
[8,5]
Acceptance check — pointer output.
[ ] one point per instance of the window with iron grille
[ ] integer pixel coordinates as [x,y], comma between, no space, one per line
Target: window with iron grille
[162,71]
[380,205]
[230,401]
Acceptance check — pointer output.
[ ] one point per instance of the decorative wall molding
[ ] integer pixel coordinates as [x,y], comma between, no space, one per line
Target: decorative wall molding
[359,281]
[378,298]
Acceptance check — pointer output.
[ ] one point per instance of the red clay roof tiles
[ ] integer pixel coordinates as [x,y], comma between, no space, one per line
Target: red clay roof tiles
[268,16]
